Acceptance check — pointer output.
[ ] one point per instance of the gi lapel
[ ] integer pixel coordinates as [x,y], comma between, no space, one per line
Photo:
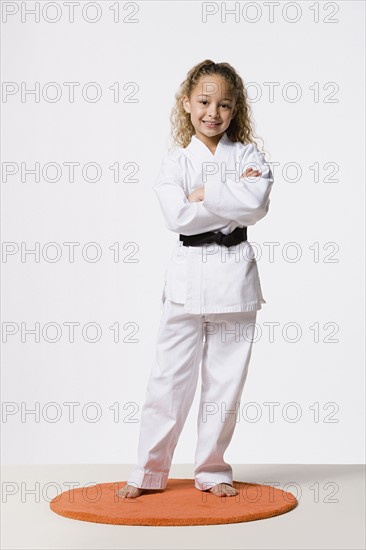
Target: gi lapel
[196,268]
[220,159]
[196,145]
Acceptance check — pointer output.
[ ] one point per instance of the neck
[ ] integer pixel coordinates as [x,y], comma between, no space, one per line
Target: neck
[210,142]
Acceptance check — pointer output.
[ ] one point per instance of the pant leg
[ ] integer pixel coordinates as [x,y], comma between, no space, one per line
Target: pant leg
[169,394]
[225,362]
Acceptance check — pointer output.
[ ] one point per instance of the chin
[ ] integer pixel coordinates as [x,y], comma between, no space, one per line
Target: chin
[218,130]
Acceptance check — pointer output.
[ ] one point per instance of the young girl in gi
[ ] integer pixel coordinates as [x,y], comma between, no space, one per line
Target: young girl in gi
[211,186]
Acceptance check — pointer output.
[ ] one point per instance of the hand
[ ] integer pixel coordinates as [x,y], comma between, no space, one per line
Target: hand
[197,195]
[251,173]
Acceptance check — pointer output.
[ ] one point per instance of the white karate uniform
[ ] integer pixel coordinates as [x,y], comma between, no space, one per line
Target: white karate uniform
[209,306]
[213,278]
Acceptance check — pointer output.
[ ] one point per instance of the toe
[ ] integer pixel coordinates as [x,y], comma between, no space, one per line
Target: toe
[128,492]
[223,489]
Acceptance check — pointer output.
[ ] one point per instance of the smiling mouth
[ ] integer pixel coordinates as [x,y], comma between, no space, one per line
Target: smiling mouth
[211,122]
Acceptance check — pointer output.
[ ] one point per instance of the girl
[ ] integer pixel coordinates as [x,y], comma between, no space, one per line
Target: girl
[210,187]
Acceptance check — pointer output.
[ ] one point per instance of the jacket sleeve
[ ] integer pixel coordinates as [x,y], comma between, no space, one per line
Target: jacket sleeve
[245,201]
[181,215]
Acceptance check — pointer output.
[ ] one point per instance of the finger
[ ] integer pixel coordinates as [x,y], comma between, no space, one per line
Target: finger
[255,172]
[251,173]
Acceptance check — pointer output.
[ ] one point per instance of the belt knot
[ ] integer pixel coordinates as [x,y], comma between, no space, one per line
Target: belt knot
[231,239]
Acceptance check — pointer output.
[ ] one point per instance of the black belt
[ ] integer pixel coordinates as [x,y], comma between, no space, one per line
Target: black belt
[235,237]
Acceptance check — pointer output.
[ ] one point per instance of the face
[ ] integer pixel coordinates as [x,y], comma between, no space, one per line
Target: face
[212,107]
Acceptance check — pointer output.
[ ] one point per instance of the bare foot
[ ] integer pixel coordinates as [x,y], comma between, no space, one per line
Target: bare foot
[223,489]
[129,491]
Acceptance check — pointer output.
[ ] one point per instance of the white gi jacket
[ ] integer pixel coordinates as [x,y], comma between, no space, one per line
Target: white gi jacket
[213,278]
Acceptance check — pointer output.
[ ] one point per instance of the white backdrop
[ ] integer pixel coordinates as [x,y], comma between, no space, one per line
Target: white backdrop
[94,309]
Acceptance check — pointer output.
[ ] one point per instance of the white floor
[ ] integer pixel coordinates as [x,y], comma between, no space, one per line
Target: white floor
[330,514]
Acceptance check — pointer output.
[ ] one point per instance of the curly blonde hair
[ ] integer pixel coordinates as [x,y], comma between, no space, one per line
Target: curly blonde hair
[241,126]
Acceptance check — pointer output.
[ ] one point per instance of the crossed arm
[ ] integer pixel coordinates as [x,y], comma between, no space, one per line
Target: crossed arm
[199,193]
[217,203]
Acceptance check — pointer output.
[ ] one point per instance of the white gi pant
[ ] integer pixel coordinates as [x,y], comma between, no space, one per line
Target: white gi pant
[222,344]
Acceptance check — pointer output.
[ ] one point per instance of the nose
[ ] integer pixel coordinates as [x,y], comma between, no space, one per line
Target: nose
[212,111]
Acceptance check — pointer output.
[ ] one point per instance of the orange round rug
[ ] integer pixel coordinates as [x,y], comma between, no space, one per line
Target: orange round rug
[180,503]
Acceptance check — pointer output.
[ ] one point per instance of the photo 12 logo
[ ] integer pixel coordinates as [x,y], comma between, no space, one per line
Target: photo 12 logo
[70,12]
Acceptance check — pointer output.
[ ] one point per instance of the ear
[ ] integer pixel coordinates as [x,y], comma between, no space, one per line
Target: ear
[186,104]
[234,112]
